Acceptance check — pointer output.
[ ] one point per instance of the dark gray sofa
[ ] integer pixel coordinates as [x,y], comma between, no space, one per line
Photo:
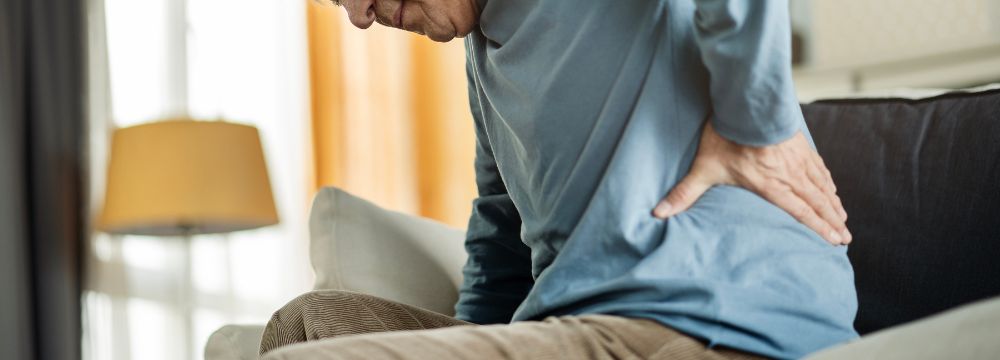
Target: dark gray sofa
[920,180]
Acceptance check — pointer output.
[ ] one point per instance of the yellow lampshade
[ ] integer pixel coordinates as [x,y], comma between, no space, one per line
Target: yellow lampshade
[184,177]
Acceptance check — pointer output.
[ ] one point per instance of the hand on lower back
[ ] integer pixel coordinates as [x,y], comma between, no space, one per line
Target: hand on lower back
[789,174]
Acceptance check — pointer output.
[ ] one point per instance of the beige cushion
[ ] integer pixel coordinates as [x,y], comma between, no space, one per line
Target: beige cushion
[234,342]
[359,246]
[967,332]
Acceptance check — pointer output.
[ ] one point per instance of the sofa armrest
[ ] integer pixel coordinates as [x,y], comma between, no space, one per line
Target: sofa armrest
[967,332]
[234,342]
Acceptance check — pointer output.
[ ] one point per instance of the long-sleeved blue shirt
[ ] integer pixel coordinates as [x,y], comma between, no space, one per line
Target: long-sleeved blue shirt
[587,113]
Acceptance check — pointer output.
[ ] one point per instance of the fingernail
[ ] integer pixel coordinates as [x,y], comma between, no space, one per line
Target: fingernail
[662,210]
[835,237]
[847,236]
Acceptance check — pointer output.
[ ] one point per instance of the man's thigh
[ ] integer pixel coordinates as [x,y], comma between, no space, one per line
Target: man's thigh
[570,337]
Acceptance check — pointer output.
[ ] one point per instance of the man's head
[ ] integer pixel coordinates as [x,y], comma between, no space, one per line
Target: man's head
[440,20]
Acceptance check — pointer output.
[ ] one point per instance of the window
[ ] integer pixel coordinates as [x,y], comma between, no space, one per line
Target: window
[243,61]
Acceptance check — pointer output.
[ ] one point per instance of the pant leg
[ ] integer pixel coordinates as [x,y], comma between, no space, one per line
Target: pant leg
[331,313]
[597,337]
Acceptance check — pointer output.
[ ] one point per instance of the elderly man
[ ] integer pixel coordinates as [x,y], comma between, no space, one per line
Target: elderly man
[587,112]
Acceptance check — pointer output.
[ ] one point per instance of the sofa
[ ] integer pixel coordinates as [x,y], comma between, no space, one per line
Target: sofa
[919,178]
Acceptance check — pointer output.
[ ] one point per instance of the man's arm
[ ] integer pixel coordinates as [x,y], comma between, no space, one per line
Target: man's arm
[746,46]
[754,139]
[497,276]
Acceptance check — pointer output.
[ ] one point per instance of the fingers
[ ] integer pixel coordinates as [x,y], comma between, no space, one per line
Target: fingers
[787,198]
[821,176]
[682,196]
[828,204]
[819,201]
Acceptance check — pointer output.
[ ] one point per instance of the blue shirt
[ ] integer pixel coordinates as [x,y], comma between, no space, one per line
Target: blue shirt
[587,113]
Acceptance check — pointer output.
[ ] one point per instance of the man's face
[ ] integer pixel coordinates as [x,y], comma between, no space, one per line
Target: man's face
[440,20]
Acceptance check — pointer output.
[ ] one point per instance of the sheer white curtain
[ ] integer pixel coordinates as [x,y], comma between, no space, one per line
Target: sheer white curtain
[242,60]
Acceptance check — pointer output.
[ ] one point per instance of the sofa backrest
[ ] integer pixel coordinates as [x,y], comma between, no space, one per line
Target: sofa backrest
[920,180]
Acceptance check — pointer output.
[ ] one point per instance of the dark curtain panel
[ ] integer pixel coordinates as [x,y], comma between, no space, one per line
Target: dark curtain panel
[41,152]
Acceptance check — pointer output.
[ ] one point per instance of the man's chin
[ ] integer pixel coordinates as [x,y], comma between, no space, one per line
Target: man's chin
[442,37]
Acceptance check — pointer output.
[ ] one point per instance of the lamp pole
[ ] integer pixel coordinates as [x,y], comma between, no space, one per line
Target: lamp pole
[186,292]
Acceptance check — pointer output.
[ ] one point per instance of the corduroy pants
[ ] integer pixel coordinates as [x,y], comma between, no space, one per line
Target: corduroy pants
[334,324]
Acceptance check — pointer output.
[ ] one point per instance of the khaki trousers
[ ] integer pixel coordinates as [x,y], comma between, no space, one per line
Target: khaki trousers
[333,324]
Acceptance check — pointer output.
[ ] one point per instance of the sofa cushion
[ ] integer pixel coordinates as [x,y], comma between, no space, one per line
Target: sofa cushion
[920,180]
[356,245]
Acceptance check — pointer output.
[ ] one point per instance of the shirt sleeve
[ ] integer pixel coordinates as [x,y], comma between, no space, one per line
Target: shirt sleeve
[746,46]
[497,275]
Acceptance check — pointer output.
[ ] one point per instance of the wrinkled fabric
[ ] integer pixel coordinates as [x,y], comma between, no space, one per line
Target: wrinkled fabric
[587,113]
[334,324]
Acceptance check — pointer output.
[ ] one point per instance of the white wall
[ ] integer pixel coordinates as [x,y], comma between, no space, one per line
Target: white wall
[871,45]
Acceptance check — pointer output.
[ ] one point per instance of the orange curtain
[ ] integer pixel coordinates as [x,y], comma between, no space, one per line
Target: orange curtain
[390,117]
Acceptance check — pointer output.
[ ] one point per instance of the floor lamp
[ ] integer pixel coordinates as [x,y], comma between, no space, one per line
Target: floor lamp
[181,178]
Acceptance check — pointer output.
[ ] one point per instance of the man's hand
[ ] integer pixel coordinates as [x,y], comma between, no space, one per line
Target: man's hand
[789,174]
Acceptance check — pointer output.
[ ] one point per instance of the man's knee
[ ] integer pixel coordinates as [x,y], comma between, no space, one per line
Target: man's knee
[313,298]
[292,311]
[288,324]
